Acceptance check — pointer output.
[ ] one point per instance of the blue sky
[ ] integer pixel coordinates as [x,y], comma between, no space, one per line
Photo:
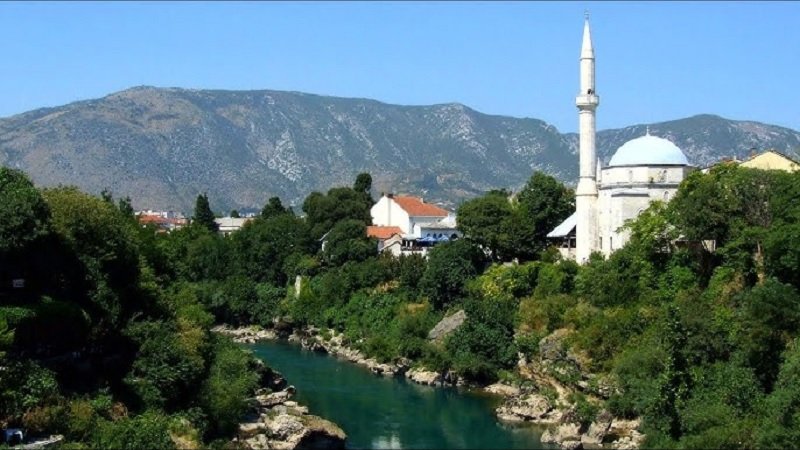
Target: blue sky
[656,61]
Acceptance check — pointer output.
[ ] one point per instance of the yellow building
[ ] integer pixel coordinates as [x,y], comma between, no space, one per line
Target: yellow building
[771,160]
[768,160]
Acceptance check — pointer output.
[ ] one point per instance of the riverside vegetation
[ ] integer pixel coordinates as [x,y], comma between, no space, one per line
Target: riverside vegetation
[691,329]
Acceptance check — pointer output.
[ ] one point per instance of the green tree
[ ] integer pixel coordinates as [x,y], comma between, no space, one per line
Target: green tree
[234,213]
[324,210]
[674,382]
[263,247]
[231,379]
[779,424]
[450,266]
[100,257]
[25,214]
[488,221]
[545,203]
[348,241]
[363,185]
[273,208]
[203,216]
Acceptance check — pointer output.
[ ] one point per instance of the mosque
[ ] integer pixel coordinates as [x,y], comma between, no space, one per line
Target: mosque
[642,170]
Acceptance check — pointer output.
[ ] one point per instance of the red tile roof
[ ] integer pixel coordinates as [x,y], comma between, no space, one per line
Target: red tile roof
[382,232]
[414,206]
[158,220]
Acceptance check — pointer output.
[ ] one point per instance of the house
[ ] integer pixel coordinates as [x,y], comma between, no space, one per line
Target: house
[162,222]
[404,212]
[389,238]
[422,225]
[767,160]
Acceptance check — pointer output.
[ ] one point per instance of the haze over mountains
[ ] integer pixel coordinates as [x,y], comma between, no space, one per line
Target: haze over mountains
[163,146]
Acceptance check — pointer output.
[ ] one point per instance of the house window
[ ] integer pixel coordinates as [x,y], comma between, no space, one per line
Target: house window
[610,243]
[601,242]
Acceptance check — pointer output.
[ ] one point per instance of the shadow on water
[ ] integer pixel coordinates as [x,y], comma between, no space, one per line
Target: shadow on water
[386,413]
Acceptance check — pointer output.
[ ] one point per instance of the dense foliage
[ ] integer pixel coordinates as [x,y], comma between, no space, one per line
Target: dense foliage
[695,323]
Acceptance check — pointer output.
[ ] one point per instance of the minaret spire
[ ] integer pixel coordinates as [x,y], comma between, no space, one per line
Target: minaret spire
[586,194]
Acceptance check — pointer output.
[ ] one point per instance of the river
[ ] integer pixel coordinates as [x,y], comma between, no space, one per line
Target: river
[379,412]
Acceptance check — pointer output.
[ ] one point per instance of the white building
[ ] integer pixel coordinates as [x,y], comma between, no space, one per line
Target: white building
[405,212]
[642,170]
[422,225]
[228,225]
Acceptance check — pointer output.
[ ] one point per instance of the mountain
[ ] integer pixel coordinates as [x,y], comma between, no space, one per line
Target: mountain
[163,146]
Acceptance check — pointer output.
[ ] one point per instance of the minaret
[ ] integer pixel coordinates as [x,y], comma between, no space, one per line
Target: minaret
[586,232]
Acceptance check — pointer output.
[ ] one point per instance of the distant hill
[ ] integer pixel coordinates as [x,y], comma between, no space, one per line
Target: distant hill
[163,146]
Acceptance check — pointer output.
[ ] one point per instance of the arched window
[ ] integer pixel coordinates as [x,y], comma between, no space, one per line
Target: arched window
[666,196]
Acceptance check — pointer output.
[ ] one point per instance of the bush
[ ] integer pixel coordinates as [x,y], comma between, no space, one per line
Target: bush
[230,382]
[149,430]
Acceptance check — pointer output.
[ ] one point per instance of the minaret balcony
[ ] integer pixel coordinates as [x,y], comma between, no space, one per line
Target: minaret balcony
[587,100]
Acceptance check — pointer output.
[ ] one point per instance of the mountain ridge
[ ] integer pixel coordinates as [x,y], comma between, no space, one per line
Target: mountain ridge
[163,146]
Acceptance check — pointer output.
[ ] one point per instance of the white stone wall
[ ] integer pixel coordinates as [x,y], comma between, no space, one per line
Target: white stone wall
[626,175]
[626,192]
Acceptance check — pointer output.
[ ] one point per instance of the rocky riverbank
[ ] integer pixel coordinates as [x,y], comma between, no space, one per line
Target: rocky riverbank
[558,376]
[547,402]
[277,422]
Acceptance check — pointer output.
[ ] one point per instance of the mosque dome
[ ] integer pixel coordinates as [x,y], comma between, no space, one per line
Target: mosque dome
[648,151]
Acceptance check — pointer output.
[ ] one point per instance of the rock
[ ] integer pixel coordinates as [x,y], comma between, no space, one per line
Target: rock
[422,376]
[628,433]
[571,445]
[530,407]
[284,427]
[502,389]
[598,429]
[275,398]
[308,432]
[447,326]
[568,432]
[548,437]
[551,347]
[250,429]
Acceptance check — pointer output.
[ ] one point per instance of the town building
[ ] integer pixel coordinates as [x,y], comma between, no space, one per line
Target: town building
[642,170]
[767,160]
[164,221]
[228,225]
[421,225]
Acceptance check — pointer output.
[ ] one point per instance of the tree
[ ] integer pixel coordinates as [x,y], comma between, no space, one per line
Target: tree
[779,426]
[25,214]
[273,208]
[545,203]
[263,246]
[203,216]
[234,213]
[100,256]
[323,211]
[488,221]
[363,185]
[348,241]
[450,266]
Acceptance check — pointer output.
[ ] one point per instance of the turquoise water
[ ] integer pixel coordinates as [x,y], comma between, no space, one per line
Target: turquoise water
[379,412]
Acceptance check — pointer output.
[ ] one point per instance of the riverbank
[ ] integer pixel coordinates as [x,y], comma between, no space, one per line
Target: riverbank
[275,421]
[547,402]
